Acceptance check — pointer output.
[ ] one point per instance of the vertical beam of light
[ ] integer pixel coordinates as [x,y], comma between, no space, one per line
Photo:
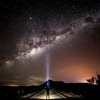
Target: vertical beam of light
[47,69]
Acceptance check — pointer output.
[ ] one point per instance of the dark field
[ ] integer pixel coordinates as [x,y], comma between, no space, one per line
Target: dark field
[70,91]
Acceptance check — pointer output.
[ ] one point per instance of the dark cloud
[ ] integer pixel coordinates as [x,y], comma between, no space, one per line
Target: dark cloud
[89,19]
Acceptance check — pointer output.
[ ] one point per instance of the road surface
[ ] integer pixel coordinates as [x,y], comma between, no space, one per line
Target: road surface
[43,95]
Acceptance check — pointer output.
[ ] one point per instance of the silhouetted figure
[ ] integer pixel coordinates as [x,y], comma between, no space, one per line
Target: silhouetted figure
[47,94]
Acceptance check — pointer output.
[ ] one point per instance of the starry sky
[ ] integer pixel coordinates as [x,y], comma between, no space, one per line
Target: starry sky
[49,39]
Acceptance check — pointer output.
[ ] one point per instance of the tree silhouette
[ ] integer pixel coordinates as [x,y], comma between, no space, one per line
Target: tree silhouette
[98,79]
[94,80]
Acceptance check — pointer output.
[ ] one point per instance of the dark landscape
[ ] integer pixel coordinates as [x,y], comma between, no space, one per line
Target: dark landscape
[70,91]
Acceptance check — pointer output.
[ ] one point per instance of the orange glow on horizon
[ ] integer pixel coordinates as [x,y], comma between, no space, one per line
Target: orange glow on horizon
[12,84]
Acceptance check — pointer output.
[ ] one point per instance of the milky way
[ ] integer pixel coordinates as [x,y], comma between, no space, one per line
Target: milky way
[66,31]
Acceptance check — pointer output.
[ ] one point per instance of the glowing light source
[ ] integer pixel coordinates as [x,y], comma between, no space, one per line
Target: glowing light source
[47,69]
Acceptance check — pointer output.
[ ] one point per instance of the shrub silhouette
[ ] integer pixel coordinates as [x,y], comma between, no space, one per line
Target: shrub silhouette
[94,80]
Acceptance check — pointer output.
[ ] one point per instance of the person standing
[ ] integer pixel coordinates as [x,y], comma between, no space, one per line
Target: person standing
[47,93]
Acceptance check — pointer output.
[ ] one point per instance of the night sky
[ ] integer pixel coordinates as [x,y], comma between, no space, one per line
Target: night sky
[49,39]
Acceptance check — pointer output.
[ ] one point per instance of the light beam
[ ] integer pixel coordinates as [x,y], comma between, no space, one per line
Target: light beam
[47,69]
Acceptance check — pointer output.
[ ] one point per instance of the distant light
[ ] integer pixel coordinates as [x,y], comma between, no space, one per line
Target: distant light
[30,18]
[12,85]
